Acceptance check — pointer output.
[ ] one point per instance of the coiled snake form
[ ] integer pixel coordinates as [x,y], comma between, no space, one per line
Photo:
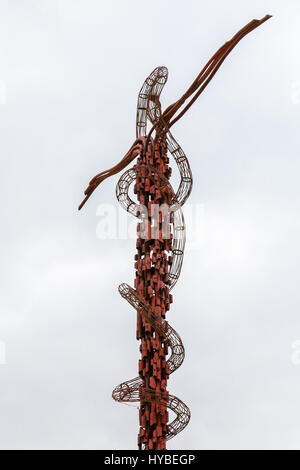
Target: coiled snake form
[152,172]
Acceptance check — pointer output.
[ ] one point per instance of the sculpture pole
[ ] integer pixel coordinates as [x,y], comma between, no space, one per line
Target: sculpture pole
[160,246]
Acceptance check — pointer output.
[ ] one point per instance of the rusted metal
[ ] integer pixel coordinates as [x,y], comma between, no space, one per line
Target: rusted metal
[159,257]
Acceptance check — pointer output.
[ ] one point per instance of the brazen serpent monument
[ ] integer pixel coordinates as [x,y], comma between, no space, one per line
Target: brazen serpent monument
[160,246]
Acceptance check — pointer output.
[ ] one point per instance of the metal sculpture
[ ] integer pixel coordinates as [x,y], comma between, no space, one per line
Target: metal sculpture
[159,257]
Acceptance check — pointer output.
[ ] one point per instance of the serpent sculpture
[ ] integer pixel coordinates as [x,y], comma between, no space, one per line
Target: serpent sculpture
[160,246]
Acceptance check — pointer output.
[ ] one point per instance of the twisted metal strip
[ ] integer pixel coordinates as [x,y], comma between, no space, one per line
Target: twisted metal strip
[150,90]
[175,213]
[131,390]
[149,106]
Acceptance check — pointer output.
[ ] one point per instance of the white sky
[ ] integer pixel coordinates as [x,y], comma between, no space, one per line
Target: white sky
[72,71]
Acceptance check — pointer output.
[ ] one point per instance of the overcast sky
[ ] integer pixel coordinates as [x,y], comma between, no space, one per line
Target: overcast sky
[70,72]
